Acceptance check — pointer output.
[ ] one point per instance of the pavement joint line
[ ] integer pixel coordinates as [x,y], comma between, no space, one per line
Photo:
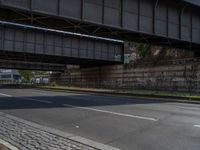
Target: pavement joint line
[6,95]
[66,135]
[197,126]
[113,113]
[8,145]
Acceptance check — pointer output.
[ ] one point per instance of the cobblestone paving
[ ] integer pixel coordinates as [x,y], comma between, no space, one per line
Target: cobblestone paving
[26,137]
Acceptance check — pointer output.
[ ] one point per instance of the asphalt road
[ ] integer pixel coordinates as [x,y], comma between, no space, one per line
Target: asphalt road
[125,123]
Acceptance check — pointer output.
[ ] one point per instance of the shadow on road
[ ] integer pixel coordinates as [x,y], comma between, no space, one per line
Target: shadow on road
[56,101]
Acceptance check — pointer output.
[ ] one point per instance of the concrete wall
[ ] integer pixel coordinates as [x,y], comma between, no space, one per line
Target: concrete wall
[183,75]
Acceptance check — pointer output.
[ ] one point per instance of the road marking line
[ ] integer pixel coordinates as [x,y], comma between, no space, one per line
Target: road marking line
[2,94]
[197,126]
[30,99]
[113,113]
[190,108]
[39,93]
[36,100]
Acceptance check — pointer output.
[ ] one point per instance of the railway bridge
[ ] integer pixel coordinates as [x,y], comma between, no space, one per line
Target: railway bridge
[91,32]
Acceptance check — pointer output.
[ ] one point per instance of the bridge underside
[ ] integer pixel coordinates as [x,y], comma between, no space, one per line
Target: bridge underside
[13,64]
[173,23]
[57,60]
[38,45]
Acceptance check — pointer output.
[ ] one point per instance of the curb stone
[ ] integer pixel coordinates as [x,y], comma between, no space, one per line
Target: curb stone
[143,97]
[8,145]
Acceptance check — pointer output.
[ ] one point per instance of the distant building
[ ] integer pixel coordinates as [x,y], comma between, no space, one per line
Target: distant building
[41,77]
[9,76]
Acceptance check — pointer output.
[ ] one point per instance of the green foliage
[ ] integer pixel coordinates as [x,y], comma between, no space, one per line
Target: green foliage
[53,84]
[143,49]
[26,75]
[41,73]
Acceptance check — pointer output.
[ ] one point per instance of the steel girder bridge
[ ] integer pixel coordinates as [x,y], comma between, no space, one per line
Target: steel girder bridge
[174,23]
[36,44]
[13,64]
[163,22]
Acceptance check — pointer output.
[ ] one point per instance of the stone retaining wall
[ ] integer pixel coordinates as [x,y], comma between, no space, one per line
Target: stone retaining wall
[173,77]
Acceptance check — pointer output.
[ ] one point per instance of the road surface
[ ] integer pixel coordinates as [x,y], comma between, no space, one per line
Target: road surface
[122,122]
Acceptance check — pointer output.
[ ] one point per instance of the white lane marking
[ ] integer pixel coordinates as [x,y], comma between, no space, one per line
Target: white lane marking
[113,113]
[190,108]
[197,126]
[39,93]
[36,100]
[6,95]
[30,99]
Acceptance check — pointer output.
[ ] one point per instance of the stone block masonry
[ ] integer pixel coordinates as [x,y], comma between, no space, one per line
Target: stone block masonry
[181,75]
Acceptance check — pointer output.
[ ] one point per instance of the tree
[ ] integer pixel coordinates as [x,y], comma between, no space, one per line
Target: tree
[143,49]
[26,75]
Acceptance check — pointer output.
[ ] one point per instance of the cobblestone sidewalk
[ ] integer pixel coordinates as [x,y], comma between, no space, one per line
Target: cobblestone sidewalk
[30,136]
